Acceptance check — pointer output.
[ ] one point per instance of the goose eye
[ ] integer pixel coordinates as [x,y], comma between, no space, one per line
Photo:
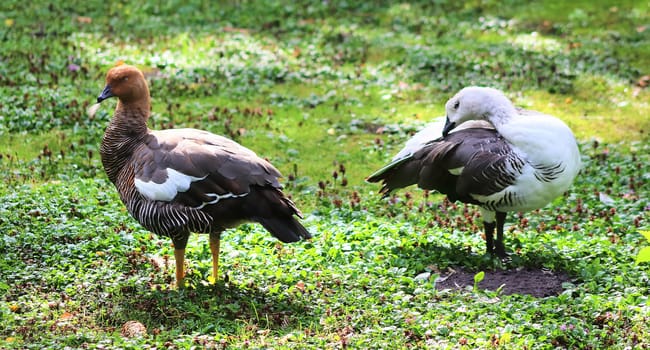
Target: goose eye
[457,104]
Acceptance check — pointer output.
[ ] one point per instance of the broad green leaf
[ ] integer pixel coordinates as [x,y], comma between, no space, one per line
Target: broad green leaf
[645,234]
[479,277]
[644,255]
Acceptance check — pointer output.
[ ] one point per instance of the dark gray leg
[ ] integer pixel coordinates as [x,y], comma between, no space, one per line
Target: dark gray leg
[489,236]
[499,247]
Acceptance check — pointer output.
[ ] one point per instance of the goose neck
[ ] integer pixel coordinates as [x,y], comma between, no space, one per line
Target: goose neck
[501,117]
[127,129]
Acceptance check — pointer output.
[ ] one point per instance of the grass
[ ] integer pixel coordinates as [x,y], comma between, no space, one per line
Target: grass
[310,85]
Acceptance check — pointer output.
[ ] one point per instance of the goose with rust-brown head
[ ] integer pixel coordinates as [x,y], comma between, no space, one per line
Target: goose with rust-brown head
[178,181]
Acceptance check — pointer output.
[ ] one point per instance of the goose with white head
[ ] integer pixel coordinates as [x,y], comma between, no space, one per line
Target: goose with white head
[179,181]
[491,154]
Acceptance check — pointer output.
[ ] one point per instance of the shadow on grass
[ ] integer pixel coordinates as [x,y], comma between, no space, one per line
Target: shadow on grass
[224,307]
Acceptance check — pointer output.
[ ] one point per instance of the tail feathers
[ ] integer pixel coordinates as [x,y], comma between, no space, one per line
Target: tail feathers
[385,171]
[400,173]
[286,229]
[292,205]
[277,213]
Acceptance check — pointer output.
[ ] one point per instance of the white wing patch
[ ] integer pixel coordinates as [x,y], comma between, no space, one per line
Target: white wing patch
[166,191]
[431,132]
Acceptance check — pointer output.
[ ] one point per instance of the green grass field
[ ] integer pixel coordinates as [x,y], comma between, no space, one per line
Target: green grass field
[320,88]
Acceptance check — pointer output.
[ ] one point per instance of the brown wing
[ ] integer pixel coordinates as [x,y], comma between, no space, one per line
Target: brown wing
[491,165]
[194,167]
[466,162]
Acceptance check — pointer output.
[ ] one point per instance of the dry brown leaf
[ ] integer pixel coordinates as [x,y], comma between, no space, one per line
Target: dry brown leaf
[133,329]
[84,19]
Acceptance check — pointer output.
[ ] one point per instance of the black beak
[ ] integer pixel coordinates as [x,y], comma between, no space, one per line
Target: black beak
[448,127]
[107,93]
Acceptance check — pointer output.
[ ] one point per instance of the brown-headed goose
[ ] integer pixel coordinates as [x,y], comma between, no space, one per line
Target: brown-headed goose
[179,181]
[505,159]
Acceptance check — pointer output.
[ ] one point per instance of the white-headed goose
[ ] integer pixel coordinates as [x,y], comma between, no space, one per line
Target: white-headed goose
[179,181]
[510,160]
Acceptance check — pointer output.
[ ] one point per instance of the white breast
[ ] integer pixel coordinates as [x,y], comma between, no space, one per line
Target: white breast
[527,193]
[540,140]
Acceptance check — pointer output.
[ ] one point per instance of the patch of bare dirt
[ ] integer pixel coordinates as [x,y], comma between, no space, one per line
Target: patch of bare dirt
[536,282]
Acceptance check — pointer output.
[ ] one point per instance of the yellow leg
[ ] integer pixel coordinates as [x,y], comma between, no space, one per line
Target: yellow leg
[179,256]
[214,248]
